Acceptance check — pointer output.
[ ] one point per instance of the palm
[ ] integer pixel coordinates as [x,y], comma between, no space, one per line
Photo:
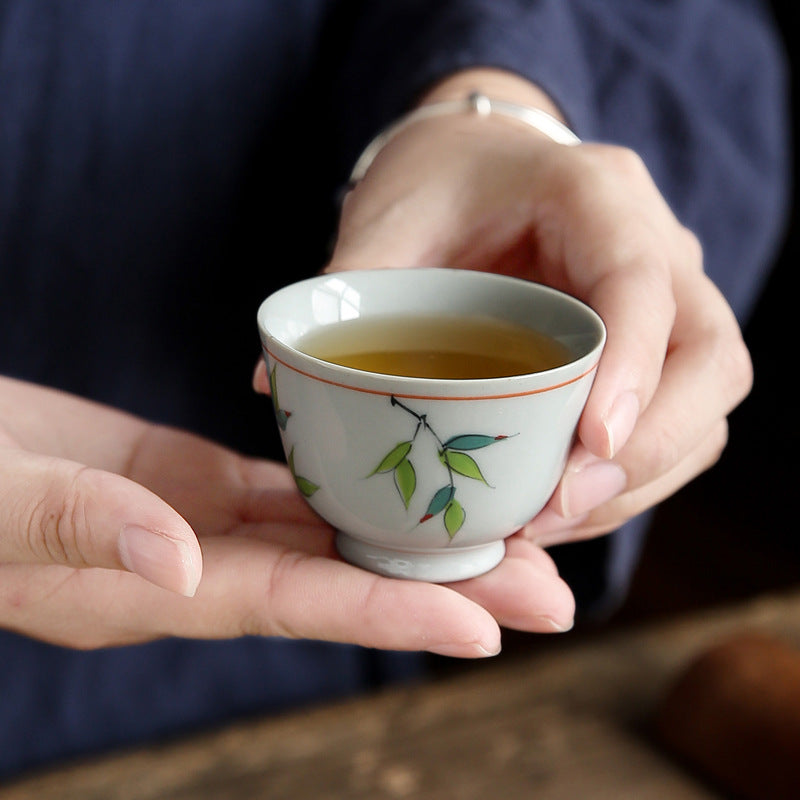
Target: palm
[223,494]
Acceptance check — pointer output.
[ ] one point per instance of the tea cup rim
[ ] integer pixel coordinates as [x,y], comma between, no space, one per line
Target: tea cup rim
[283,349]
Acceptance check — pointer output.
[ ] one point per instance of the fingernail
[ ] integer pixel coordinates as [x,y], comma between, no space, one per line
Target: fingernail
[465,650]
[558,627]
[160,559]
[590,486]
[620,421]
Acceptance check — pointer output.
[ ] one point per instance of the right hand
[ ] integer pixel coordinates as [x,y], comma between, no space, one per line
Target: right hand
[487,194]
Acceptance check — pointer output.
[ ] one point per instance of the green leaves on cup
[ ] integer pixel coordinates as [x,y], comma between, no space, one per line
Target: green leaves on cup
[306,487]
[454,514]
[393,458]
[462,464]
[405,477]
[451,454]
[281,415]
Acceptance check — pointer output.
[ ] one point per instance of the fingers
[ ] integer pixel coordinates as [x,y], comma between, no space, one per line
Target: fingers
[670,447]
[252,587]
[706,375]
[551,527]
[617,245]
[305,596]
[674,365]
[680,434]
[54,511]
[507,591]
[260,378]
[524,592]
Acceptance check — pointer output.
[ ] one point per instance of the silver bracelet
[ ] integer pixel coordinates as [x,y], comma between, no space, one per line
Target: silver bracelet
[476,103]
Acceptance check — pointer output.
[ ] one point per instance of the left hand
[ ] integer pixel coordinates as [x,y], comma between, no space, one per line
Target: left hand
[73,472]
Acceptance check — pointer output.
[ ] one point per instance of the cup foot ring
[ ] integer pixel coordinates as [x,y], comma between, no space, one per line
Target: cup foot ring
[439,566]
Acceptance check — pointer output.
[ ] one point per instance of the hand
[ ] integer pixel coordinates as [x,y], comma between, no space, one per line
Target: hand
[103,518]
[489,194]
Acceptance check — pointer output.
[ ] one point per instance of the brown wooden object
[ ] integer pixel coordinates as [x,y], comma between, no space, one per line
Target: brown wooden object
[734,714]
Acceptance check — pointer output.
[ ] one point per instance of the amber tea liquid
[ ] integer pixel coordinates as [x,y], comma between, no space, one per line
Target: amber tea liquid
[428,346]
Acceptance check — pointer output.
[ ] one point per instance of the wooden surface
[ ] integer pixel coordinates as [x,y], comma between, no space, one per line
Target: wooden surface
[568,720]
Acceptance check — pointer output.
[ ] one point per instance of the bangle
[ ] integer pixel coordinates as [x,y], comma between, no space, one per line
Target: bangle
[476,103]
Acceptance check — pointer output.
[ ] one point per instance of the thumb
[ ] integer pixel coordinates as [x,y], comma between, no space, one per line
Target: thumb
[261,379]
[54,511]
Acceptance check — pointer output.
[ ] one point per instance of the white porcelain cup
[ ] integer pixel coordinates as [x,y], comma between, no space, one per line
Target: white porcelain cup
[424,478]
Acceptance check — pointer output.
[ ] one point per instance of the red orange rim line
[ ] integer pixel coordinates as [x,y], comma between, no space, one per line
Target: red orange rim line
[432,397]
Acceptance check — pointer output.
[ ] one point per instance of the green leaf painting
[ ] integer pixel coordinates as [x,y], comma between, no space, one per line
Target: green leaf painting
[439,501]
[405,479]
[393,458]
[462,464]
[457,455]
[281,415]
[453,456]
[454,516]
[471,441]
[307,487]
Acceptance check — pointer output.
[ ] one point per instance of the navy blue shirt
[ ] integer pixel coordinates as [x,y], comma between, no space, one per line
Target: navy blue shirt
[164,165]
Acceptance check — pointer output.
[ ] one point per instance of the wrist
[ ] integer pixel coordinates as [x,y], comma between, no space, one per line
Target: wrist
[449,99]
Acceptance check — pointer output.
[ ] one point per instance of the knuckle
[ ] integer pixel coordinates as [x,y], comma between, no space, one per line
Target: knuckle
[693,248]
[626,161]
[729,355]
[568,187]
[620,159]
[662,453]
[716,443]
[56,522]
[250,620]
[653,284]
[738,366]
[265,616]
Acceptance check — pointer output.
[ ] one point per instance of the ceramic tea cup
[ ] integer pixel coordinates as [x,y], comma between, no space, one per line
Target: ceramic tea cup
[424,477]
